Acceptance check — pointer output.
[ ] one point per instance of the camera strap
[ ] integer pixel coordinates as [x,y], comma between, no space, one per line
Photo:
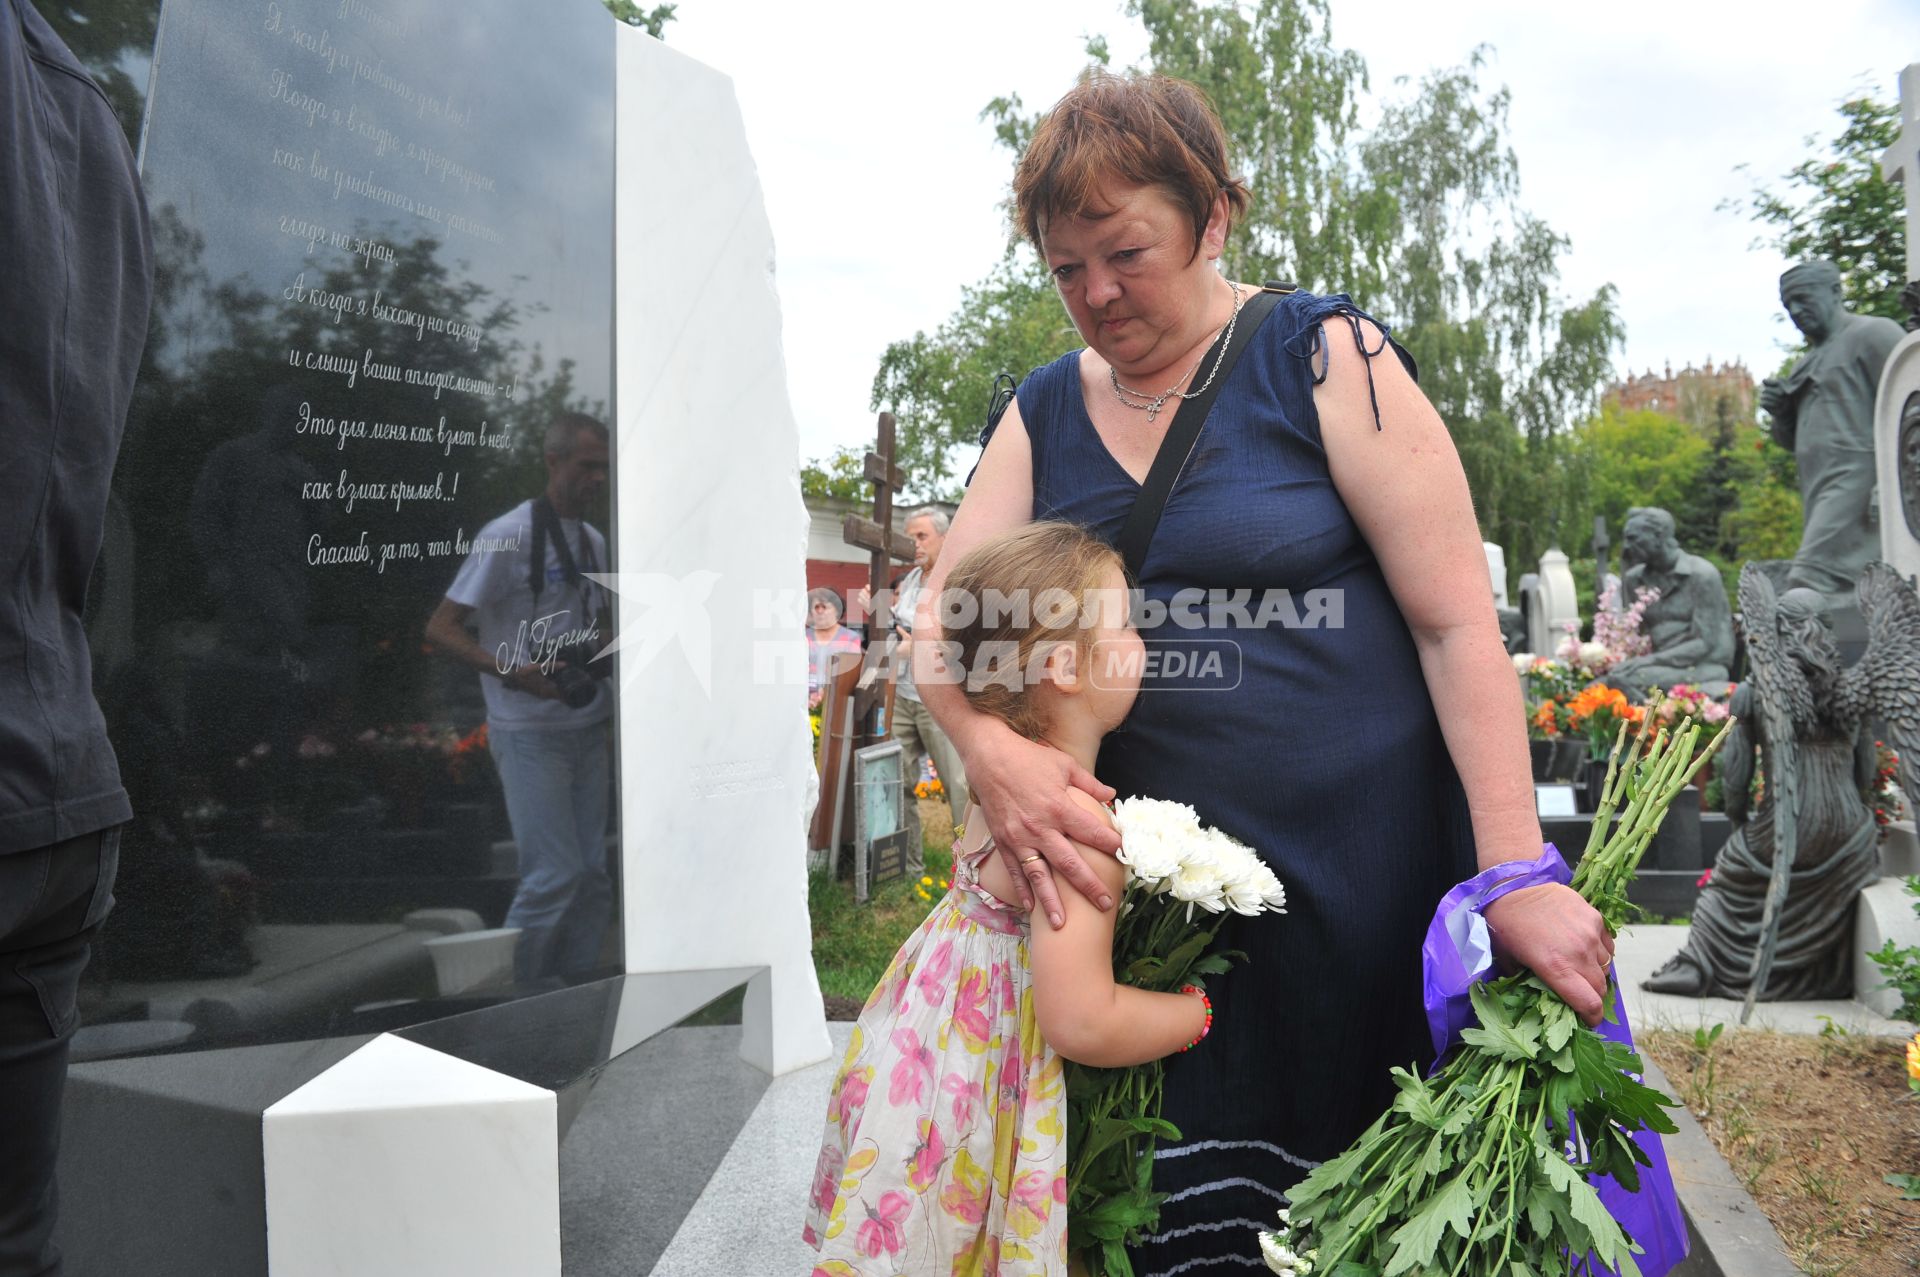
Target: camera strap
[547,526]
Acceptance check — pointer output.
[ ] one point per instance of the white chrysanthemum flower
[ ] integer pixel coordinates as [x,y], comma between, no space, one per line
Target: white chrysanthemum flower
[1199,880]
[1281,1258]
[1153,836]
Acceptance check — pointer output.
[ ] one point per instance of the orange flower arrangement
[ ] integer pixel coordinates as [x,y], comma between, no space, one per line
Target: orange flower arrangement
[1598,711]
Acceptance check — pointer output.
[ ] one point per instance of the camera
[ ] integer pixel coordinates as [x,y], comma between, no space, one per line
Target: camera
[574,673]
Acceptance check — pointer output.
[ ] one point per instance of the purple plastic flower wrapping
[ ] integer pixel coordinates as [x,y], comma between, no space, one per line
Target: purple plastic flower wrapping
[1457,953]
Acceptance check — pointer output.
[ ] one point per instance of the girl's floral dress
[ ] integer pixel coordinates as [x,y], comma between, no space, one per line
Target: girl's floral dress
[946,1138]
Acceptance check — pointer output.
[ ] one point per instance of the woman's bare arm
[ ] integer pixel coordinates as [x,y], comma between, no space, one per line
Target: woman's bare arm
[1083,1014]
[1404,485]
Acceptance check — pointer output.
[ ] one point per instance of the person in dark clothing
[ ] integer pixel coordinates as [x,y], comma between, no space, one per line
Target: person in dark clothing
[74,237]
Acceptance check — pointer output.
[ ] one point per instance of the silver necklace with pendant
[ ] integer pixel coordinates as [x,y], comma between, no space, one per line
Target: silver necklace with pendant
[1152,404]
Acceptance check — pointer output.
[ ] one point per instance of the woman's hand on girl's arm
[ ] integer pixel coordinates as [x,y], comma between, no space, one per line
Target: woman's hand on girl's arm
[1083,1014]
[1037,805]
[1025,787]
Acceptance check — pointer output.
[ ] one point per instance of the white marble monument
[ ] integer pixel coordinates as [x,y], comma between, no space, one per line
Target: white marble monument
[1552,605]
[1896,412]
[1497,571]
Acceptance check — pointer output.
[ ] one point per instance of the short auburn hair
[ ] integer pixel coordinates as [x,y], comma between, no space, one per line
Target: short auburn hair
[1142,130]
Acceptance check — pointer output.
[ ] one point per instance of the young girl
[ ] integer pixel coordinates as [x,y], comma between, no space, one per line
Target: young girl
[945,1148]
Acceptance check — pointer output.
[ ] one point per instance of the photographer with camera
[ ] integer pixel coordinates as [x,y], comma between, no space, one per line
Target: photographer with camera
[525,588]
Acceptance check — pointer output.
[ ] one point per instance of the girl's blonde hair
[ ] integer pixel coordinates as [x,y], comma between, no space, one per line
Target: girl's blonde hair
[997,597]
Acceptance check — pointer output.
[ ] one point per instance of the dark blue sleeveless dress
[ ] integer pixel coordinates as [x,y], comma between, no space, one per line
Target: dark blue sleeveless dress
[1315,743]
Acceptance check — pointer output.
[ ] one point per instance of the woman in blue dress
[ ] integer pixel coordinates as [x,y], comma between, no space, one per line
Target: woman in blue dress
[1330,683]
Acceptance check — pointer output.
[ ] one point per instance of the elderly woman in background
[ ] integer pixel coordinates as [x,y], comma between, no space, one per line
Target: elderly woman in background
[830,645]
[1371,746]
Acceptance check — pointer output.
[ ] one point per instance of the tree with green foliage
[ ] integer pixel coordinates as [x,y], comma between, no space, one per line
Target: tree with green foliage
[653,21]
[1765,525]
[840,477]
[1837,206]
[1640,458]
[1416,218]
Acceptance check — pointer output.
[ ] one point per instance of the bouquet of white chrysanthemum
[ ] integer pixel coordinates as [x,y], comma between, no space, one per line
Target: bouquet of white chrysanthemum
[1174,867]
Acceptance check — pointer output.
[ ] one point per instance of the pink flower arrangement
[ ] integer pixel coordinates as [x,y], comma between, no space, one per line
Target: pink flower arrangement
[1683,701]
[1619,631]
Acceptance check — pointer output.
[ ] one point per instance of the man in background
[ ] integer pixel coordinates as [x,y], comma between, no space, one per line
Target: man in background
[78,254]
[527,588]
[912,725]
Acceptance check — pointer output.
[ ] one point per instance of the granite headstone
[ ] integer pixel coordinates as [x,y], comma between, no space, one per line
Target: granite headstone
[383,241]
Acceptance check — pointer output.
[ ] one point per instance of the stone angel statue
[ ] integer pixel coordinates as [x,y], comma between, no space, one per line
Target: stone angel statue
[1776,919]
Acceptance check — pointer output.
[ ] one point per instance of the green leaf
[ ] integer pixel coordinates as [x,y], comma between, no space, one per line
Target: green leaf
[1436,1159]
[1909,1186]
[1490,1007]
[1416,1240]
[1605,1238]
[1417,1100]
[1540,1210]
[1505,1041]
[1561,1022]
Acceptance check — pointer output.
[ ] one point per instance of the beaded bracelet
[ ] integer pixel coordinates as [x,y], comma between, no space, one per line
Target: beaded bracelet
[1205,1001]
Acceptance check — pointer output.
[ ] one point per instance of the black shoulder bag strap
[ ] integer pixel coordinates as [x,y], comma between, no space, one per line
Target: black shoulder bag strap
[1137,535]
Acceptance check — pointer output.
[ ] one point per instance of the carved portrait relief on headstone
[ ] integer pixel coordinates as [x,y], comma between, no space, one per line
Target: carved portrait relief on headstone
[1896,441]
[1910,462]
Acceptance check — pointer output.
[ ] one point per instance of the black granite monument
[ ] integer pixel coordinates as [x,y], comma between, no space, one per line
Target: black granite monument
[384,246]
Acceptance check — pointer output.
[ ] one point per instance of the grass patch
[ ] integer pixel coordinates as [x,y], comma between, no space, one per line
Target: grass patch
[853,943]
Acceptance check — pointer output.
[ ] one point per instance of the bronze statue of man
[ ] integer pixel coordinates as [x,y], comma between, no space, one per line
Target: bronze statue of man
[1823,411]
[1690,625]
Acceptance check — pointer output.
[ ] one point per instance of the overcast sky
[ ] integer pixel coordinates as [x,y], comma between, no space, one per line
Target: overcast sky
[884,186]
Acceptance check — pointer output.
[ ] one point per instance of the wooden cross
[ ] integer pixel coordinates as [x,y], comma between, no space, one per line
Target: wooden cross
[876,535]
[883,544]
[839,740]
[1901,163]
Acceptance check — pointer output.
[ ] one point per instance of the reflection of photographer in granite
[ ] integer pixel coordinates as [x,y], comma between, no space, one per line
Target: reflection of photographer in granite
[524,588]
[73,235]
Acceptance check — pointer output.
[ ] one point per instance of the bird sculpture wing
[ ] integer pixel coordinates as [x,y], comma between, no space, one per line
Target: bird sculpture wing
[1885,682]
